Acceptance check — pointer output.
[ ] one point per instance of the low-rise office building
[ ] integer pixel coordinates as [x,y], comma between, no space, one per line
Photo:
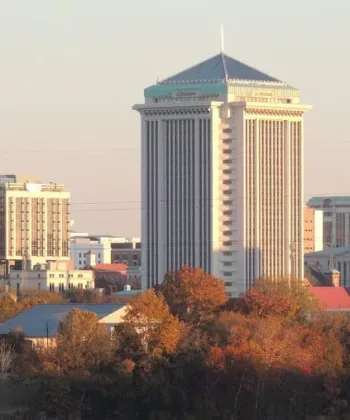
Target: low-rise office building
[53,276]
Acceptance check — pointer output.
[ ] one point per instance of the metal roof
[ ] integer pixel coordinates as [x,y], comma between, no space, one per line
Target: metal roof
[331,298]
[220,68]
[36,320]
[335,198]
[340,250]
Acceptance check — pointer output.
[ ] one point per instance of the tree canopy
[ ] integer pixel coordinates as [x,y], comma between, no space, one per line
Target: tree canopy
[193,295]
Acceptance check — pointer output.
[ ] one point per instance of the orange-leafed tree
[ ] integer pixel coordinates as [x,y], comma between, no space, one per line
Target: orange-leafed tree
[82,343]
[193,295]
[148,315]
[285,297]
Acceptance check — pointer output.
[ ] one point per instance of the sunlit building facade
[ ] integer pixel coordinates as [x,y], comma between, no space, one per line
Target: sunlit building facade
[34,223]
[222,175]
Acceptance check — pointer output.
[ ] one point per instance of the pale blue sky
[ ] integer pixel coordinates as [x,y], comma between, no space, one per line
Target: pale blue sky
[70,71]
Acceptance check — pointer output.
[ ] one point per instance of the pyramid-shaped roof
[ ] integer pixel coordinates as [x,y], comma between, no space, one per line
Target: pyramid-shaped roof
[220,68]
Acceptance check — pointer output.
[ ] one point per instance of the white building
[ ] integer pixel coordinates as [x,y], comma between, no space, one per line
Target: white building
[81,245]
[222,175]
[100,245]
[53,276]
[336,219]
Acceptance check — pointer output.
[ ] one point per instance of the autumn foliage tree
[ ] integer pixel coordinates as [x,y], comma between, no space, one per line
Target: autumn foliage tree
[282,297]
[82,343]
[149,317]
[193,295]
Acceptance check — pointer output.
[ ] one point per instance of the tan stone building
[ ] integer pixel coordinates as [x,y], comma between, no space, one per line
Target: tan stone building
[313,230]
[34,222]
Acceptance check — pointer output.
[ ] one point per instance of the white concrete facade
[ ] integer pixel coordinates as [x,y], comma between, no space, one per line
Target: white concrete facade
[79,252]
[336,219]
[100,245]
[52,277]
[222,183]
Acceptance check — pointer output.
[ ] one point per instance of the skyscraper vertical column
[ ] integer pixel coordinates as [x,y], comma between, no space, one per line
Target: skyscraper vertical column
[144,204]
[300,170]
[161,248]
[287,200]
[257,208]
[198,180]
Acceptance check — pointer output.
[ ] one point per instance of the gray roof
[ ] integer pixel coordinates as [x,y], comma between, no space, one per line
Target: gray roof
[36,320]
[335,198]
[326,252]
[220,68]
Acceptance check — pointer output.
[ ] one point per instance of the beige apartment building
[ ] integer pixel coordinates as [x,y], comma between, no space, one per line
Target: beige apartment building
[34,222]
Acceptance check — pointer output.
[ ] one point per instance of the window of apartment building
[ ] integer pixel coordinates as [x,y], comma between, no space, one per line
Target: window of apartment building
[227,223]
[227,264]
[61,287]
[228,284]
[227,243]
[80,255]
[79,262]
[69,286]
[227,213]
[227,254]
[52,287]
[80,276]
[227,274]
[80,285]
[39,275]
[52,276]
[61,276]
[99,255]
[39,286]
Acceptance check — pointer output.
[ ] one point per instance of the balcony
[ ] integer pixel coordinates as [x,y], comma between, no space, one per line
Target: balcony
[225,136]
[226,163]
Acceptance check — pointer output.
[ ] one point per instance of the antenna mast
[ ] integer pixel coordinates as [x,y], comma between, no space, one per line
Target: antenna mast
[222,39]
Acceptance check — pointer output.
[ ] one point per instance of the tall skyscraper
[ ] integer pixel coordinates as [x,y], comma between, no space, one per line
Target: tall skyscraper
[34,222]
[222,175]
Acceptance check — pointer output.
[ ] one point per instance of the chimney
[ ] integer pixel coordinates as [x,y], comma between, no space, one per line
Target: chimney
[332,278]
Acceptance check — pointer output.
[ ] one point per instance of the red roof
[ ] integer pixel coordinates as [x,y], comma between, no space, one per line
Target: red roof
[120,268]
[331,297]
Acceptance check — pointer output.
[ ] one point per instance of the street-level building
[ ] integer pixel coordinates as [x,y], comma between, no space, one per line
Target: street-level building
[222,175]
[52,276]
[34,222]
[328,259]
